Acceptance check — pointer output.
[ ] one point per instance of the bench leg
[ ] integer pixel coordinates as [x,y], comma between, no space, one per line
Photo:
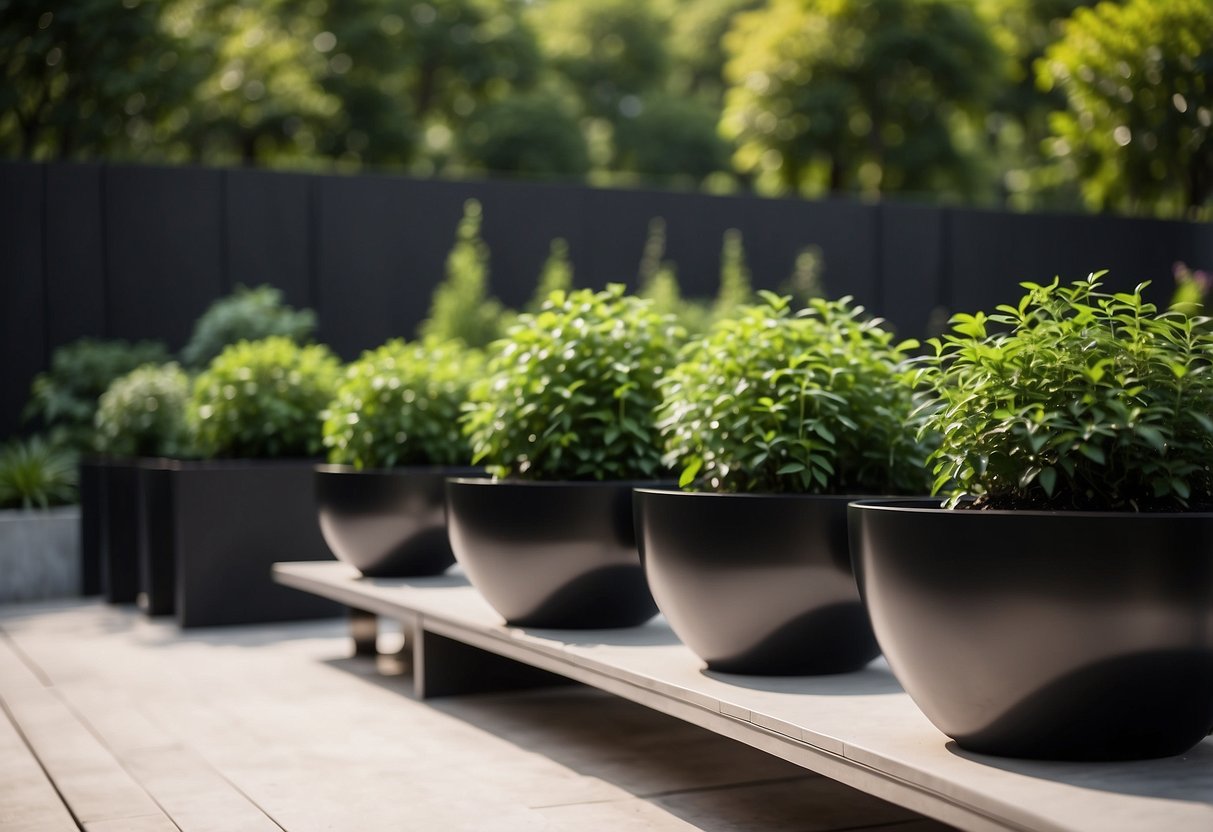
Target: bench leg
[364,630]
[446,667]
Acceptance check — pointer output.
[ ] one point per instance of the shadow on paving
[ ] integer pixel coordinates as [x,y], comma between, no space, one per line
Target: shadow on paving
[712,782]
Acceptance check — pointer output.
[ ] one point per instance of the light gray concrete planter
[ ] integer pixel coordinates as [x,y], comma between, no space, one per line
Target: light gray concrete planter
[39,554]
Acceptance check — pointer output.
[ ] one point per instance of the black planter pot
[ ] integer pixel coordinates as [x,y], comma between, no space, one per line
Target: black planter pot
[756,583]
[387,523]
[157,548]
[551,554]
[1055,635]
[233,520]
[118,530]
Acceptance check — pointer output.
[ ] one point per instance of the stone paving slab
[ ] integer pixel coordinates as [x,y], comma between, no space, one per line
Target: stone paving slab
[276,727]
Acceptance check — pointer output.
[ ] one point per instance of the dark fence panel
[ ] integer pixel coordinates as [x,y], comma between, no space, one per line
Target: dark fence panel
[991,252]
[75,254]
[267,225]
[165,250]
[23,350]
[913,283]
[135,252]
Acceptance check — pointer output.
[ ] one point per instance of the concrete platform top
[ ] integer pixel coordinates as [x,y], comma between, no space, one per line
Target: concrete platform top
[860,728]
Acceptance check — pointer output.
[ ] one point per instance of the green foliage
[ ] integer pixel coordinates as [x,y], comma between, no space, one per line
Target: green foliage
[806,282]
[85,78]
[556,275]
[608,50]
[400,405]
[461,307]
[1191,289]
[64,398]
[570,392]
[814,402]
[735,287]
[36,474]
[658,279]
[263,399]
[697,30]
[1075,399]
[869,95]
[532,133]
[245,315]
[260,97]
[1138,80]
[670,139]
[143,413]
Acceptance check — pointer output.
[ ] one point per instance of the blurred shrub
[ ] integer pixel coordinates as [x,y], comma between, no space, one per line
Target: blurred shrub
[245,315]
[143,413]
[461,307]
[36,474]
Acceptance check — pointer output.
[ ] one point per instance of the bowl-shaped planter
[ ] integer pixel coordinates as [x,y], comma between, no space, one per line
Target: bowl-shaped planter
[756,583]
[389,522]
[551,554]
[1055,635]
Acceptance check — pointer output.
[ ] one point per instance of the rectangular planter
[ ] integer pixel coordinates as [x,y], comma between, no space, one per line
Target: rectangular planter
[157,547]
[119,530]
[92,508]
[233,520]
[39,554]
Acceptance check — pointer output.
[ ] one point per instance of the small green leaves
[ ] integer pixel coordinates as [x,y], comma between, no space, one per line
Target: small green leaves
[400,405]
[1086,400]
[143,413]
[815,401]
[263,399]
[570,391]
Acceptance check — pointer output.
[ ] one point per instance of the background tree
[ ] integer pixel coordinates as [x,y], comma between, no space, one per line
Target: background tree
[671,139]
[261,98]
[1138,83]
[85,78]
[534,133]
[870,95]
[696,45]
[366,71]
[608,50]
[1018,122]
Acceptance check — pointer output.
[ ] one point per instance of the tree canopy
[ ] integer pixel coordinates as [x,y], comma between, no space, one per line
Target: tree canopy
[1024,103]
[1138,83]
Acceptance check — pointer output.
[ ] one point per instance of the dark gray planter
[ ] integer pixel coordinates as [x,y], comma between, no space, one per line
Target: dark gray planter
[756,583]
[119,530]
[234,519]
[157,547]
[551,554]
[92,507]
[1057,635]
[387,523]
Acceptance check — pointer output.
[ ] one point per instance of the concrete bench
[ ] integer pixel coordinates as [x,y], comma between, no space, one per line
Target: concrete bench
[860,729]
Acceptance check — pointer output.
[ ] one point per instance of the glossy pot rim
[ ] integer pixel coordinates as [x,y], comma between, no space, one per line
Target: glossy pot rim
[752,495]
[336,468]
[507,481]
[934,507]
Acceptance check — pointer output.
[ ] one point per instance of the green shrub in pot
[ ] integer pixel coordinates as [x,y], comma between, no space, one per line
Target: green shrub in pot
[776,420]
[400,405]
[64,398]
[812,402]
[263,399]
[36,474]
[570,391]
[142,414]
[1057,604]
[565,416]
[1075,399]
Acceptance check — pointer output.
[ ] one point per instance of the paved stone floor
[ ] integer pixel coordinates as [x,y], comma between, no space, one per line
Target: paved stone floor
[141,726]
